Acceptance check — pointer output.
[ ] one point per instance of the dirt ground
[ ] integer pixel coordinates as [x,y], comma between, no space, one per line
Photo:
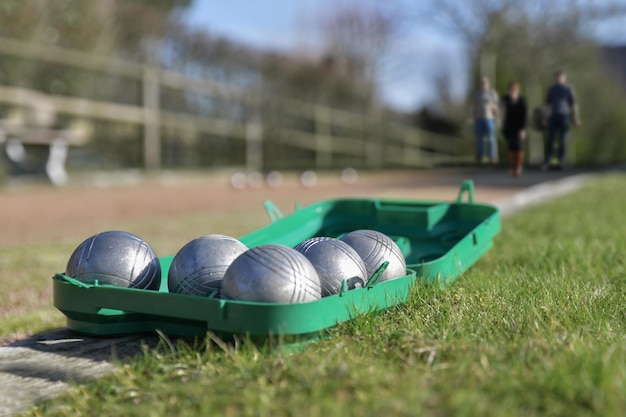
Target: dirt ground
[41,213]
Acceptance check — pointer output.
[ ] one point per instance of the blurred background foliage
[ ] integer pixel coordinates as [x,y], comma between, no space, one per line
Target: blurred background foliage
[527,42]
[505,40]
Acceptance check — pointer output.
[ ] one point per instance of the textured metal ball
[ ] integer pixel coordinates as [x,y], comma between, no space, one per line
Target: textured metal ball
[375,248]
[334,261]
[199,266]
[115,258]
[271,273]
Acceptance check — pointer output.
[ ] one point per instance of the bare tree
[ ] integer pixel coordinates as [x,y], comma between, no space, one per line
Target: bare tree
[528,41]
[357,39]
[533,36]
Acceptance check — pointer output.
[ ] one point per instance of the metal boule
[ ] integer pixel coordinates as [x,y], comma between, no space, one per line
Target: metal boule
[198,267]
[115,258]
[375,248]
[335,261]
[271,273]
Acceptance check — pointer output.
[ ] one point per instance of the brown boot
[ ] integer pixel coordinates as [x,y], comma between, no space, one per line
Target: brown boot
[512,162]
[519,163]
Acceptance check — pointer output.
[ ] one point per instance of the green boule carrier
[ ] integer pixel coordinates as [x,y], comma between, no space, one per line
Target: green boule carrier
[439,240]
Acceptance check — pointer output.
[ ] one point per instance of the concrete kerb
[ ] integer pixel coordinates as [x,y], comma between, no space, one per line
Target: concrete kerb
[542,193]
[43,367]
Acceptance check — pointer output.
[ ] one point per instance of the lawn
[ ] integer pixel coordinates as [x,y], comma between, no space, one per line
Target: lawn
[535,328]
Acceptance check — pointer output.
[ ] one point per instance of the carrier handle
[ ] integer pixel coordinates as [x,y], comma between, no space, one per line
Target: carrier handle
[467,187]
[272,211]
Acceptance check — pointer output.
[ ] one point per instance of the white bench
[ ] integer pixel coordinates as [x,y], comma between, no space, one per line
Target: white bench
[32,126]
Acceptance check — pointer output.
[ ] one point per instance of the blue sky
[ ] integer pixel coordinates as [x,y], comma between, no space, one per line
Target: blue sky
[273,24]
[290,25]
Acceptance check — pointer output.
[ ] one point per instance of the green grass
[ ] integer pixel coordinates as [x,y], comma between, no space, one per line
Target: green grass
[26,296]
[535,328]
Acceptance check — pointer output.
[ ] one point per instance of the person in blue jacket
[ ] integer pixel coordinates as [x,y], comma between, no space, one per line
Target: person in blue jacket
[561,107]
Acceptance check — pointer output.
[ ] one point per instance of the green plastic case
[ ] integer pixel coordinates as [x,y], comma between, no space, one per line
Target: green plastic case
[439,240]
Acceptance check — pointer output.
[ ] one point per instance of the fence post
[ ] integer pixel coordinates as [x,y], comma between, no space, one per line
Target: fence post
[152,122]
[535,139]
[254,146]
[410,158]
[323,137]
[373,147]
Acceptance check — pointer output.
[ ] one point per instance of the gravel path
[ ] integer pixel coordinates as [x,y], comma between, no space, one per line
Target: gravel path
[34,214]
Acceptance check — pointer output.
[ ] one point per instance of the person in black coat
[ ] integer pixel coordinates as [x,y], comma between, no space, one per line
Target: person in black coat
[514,126]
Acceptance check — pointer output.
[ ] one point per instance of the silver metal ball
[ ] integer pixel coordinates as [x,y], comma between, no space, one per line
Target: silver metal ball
[115,258]
[349,175]
[271,273]
[308,179]
[274,179]
[239,180]
[199,266]
[334,261]
[375,248]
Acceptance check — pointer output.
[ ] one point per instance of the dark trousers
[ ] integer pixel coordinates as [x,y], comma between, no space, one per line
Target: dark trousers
[558,124]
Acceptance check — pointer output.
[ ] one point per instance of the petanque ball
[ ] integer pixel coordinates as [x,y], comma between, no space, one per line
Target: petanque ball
[115,258]
[334,261]
[375,248]
[199,266]
[271,273]
[308,178]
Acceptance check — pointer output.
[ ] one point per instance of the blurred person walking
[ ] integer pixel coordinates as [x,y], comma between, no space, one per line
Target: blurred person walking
[484,108]
[514,127]
[561,106]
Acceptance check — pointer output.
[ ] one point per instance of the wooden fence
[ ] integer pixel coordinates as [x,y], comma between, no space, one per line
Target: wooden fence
[402,146]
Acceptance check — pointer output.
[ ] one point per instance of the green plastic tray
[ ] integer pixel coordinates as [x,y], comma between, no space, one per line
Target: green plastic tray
[439,240]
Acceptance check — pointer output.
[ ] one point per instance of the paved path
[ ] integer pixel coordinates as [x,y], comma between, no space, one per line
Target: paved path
[42,367]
